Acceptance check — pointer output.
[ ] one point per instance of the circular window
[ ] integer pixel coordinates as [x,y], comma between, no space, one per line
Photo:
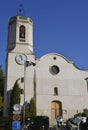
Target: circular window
[54,58]
[54,69]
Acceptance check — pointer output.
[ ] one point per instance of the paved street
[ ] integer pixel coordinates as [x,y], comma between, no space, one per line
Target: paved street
[54,128]
[62,128]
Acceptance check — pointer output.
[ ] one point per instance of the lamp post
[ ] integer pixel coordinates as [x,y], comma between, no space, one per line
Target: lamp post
[26,64]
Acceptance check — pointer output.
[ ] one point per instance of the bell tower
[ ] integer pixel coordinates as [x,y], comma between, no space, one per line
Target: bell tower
[20,34]
[19,47]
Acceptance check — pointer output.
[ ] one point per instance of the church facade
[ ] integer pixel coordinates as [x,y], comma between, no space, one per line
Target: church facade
[57,85]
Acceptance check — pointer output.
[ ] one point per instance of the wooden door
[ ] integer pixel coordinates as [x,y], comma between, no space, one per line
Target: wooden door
[56,109]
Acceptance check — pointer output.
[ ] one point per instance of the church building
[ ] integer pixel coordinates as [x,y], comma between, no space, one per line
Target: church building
[57,85]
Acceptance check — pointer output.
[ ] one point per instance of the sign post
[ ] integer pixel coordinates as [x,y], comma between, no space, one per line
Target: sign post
[16,117]
[16,125]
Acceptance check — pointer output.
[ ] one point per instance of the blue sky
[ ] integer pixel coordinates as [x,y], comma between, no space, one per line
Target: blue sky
[60,26]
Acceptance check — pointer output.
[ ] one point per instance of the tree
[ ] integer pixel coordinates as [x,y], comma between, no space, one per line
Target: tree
[32,107]
[15,96]
[1,104]
[1,81]
[1,90]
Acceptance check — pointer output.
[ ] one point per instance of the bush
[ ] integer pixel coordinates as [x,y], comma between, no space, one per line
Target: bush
[36,122]
[5,123]
[84,114]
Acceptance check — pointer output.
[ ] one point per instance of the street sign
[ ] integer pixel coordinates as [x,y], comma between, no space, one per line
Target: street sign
[16,125]
[16,107]
[16,112]
[16,117]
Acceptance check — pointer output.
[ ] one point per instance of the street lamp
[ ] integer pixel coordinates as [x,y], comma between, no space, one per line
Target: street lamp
[26,64]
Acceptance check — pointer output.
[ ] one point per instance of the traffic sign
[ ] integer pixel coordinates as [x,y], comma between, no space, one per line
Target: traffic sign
[16,125]
[16,112]
[16,117]
[16,107]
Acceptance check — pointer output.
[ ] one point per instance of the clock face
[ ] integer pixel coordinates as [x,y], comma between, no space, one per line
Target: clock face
[20,59]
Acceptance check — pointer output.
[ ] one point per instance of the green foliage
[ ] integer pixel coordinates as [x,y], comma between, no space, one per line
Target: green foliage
[5,123]
[1,103]
[1,81]
[1,90]
[84,114]
[36,122]
[32,107]
[15,96]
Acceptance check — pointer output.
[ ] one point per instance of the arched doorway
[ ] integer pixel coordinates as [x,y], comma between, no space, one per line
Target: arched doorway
[56,109]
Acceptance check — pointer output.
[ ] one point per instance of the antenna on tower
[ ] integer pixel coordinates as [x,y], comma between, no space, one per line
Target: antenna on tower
[20,10]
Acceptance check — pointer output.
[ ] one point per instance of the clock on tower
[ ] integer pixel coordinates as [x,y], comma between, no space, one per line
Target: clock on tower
[19,50]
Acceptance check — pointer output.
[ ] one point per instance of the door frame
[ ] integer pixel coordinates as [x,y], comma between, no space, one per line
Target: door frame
[56,108]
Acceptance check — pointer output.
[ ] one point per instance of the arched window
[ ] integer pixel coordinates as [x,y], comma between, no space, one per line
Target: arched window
[22,31]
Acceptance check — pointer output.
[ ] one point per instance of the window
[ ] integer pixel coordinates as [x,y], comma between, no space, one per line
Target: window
[54,58]
[54,69]
[22,31]
[55,91]
[87,82]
